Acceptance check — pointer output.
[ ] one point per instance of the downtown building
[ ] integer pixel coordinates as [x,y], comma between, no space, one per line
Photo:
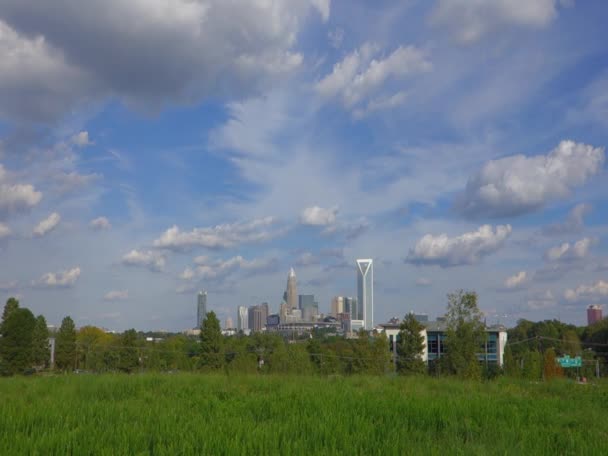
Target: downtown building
[201,308]
[594,314]
[363,312]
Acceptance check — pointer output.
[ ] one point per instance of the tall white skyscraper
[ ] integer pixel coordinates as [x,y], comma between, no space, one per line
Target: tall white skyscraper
[242,318]
[365,293]
[201,308]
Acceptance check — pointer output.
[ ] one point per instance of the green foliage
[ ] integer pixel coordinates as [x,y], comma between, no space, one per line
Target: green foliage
[16,341]
[65,346]
[184,414]
[551,369]
[464,336]
[410,347]
[129,356]
[511,368]
[11,305]
[41,352]
[532,365]
[211,353]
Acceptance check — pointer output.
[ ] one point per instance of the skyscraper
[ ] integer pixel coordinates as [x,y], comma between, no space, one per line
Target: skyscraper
[201,308]
[242,318]
[337,306]
[257,319]
[594,314]
[229,323]
[291,291]
[308,306]
[365,292]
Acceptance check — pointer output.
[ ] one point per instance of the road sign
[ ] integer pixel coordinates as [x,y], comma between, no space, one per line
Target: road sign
[566,361]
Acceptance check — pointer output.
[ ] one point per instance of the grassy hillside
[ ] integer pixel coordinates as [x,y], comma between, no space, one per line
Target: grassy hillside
[202,414]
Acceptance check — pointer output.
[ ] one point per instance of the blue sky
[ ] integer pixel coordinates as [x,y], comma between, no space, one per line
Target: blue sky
[152,148]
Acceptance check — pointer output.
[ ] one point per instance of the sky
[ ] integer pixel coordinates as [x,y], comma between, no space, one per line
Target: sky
[153,148]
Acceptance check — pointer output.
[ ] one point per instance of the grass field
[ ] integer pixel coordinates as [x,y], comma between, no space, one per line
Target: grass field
[213,415]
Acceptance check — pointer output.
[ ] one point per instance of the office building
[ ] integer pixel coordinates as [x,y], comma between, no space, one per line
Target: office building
[308,306]
[351,308]
[242,318]
[291,292]
[365,293]
[229,323]
[337,306]
[201,308]
[256,318]
[594,314]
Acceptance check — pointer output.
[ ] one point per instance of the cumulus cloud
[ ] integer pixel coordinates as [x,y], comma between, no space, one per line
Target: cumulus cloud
[516,281]
[15,197]
[574,223]
[470,20]
[116,295]
[218,269]
[154,261]
[570,252]
[318,216]
[518,184]
[307,259]
[349,230]
[5,231]
[180,50]
[219,236]
[47,225]
[62,279]
[81,139]
[100,223]
[541,300]
[68,182]
[359,74]
[468,248]
[594,292]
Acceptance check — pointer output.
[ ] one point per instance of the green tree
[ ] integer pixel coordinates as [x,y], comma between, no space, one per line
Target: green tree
[212,354]
[511,367]
[41,352]
[11,305]
[129,356]
[16,341]
[465,335]
[551,369]
[65,345]
[532,365]
[410,346]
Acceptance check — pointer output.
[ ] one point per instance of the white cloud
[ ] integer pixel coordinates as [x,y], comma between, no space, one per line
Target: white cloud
[574,223]
[470,20]
[336,37]
[359,74]
[318,216]
[81,139]
[323,6]
[518,184]
[542,300]
[219,269]
[219,236]
[154,261]
[47,225]
[381,103]
[517,280]
[71,181]
[598,290]
[16,197]
[307,259]
[5,231]
[116,295]
[9,286]
[423,282]
[62,279]
[468,248]
[570,252]
[100,223]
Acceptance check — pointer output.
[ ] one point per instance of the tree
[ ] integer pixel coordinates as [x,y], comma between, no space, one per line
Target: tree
[551,369]
[211,355]
[465,335]
[41,352]
[410,345]
[511,368]
[11,305]
[129,357]
[532,365]
[16,341]
[65,345]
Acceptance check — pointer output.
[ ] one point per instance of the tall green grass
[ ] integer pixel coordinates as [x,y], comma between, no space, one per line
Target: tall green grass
[213,415]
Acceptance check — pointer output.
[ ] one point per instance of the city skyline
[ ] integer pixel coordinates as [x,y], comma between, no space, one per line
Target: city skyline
[459,144]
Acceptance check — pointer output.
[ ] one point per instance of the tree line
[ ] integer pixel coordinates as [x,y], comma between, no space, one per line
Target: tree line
[24,348]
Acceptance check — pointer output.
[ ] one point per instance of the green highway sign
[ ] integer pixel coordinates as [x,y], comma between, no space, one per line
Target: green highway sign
[566,361]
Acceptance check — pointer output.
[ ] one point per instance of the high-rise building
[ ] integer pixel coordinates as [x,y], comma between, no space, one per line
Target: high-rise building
[229,323]
[351,308]
[292,290]
[365,292]
[201,308]
[258,316]
[242,318]
[265,312]
[308,306]
[594,314]
[337,306]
